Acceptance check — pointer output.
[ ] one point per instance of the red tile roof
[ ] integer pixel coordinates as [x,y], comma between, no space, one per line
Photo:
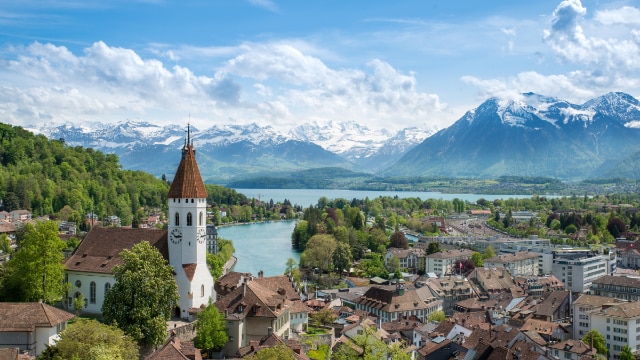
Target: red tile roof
[189,270]
[187,183]
[100,250]
[27,316]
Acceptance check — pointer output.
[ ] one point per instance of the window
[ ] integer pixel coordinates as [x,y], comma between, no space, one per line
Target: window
[202,291]
[78,284]
[189,219]
[200,219]
[92,292]
[107,287]
[177,221]
[567,355]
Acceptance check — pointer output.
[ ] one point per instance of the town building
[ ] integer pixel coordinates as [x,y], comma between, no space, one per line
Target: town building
[412,260]
[490,282]
[582,309]
[30,327]
[442,263]
[212,239]
[571,349]
[617,287]
[450,290]
[391,303]
[620,326]
[628,254]
[578,271]
[518,264]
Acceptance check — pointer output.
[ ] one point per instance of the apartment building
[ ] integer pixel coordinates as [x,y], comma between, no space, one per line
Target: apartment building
[519,264]
[618,287]
[620,326]
[441,263]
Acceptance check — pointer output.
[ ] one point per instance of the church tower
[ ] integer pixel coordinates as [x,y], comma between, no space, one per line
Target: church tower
[188,233]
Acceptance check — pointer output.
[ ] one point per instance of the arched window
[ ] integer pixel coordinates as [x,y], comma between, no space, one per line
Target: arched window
[202,291]
[92,292]
[177,221]
[200,219]
[189,219]
[107,287]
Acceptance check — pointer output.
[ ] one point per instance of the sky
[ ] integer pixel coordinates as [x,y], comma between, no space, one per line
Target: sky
[383,64]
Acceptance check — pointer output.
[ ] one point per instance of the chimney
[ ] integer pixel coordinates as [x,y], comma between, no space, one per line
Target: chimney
[269,331]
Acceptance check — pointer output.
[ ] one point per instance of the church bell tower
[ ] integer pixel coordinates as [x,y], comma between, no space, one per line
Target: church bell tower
[187,234]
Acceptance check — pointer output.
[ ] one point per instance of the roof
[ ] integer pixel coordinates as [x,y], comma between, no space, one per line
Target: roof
[622,310]
[552,302]
[509,258]
[100,250]
[593,300]
[7,227]
[25,317]
[540,326]
[187,183]
[574,346]
[255,300]
[451,254]
[389,301]
[627,281]
[175,349]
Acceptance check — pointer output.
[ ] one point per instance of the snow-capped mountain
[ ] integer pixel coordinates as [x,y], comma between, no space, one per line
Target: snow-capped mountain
[533,136]
[229,151]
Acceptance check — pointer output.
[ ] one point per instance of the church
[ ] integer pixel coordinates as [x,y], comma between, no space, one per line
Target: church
[183,245]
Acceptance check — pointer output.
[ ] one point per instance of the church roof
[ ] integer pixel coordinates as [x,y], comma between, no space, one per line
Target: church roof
[100,250]
[187,183]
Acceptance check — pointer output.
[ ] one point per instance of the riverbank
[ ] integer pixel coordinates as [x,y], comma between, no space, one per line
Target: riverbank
[229,265]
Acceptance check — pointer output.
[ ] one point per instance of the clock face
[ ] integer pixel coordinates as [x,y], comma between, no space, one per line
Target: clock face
[175,236]
[202,236]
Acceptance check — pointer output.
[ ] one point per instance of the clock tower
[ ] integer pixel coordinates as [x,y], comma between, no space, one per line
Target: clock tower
[188,233]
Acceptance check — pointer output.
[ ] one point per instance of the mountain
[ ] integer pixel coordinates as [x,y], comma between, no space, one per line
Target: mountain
[235,152]
[533,135]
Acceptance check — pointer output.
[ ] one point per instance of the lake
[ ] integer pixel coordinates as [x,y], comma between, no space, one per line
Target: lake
[261,246]
[306,197]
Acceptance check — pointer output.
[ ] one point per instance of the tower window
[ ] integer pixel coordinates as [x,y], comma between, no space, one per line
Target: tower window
[177,221]
[107,287]
[202,291]
[200,219]
[189,219]
[192,201]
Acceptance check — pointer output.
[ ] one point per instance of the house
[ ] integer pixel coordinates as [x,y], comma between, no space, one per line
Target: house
[270,341]
[571,349]
[628,254]
[490,282]
[20,215]
[88,270]
[450,290]
[578,271]
[257,308]
[391,303]
[31,327]
[521,263]
[555,307]
[174,348]
[549,331]
[410,259]
[442,263]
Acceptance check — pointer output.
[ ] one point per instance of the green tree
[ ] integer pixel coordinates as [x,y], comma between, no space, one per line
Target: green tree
[594,337]
[90,339]
[476,258]
[488,253]
[393,264]
[370,347]
[342,257]
[570,229]
[626,354]
[145,291]
[319,252]
[278,352]
[211,334]
[437,316]
[434,247]
[291,264]
[5,244]
[36,270]
[322,317]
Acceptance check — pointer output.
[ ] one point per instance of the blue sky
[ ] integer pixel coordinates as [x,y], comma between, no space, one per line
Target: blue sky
[383,64]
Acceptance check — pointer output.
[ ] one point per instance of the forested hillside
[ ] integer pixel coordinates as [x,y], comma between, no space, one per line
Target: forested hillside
[43,176]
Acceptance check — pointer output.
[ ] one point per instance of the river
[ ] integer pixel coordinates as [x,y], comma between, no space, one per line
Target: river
[267,246]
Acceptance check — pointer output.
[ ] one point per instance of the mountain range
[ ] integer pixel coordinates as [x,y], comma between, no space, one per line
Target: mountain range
[532,135]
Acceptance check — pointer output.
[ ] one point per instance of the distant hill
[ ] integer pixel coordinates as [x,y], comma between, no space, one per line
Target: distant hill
[534,136]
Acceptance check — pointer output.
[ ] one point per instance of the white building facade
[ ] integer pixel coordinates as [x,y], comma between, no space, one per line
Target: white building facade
[620,326]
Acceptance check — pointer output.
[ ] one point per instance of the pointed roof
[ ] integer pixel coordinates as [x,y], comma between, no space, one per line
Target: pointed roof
[25,317]
[187,183]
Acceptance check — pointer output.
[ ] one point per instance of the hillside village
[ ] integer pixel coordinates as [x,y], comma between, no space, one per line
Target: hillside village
[532,297]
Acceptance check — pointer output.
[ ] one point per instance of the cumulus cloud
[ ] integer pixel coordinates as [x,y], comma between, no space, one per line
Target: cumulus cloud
[599,63]
[276,83]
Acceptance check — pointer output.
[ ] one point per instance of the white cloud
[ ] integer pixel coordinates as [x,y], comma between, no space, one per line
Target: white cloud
[266,4]
[626,15]
[276,83]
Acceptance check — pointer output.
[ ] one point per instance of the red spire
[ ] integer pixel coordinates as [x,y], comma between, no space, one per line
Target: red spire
[187,183]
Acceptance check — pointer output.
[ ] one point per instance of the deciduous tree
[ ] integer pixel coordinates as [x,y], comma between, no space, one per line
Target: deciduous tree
[342,257]
[434,247]
[476,257]
[278,352]
[594,337]
[399,240]
[488,253]
[211,334]
[90,339]
[437,316]
[145,291]
[626,354]
[319,252]
[36,270]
